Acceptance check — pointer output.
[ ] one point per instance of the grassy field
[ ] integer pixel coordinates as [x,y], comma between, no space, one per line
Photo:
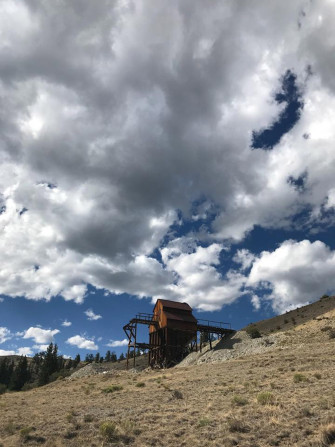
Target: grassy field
[285,397]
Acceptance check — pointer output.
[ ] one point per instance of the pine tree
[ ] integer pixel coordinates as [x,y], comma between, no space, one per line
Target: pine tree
[108,356]
[69,364]
[6,370]
[89,358]
[97,358]
[76,360]
[49,365]
[122,357]
[20,375]
[113,357]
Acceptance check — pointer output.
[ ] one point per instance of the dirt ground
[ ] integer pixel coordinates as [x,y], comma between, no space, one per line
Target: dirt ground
[284,397]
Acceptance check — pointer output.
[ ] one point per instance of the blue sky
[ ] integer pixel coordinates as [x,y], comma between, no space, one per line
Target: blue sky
[162,151]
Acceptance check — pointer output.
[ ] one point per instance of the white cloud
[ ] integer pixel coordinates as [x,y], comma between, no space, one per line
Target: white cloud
[41,347]
[295,273]
[19,351]
[91,154]
[66,323]
[117,343]
[256,302]
[7,352]
[91,315]
[5,334]
[197,279]
[41,336]
[244,257]
[24,351]
[82,343]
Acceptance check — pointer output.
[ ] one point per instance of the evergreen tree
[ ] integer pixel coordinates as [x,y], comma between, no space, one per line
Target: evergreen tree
[69,364]
[76,360]
[108,356]
[101,359]
[49,365]
[113,357]
[6,370]
[122,357]
[20,375]
[89,358]
[97,358]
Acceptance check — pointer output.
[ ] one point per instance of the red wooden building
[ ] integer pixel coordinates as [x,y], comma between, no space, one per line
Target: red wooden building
[173,333]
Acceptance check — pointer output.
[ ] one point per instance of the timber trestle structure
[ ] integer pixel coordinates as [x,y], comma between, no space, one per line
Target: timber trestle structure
[173,333]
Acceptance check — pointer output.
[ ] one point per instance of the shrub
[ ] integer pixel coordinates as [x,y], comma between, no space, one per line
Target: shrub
[265,398]
[203,422]
[108,431]
[70,417]
[237,426]
[253,332]
[306,412]
[10,428]
[3,388]
[112,388]
[128,428]
[88,418]
[297,378]
[317,376]
[326,328]
[28,386]
[140,384]
[332,334]
[176,394]
[239,400]
[24,432]
[328,435]
[324,297]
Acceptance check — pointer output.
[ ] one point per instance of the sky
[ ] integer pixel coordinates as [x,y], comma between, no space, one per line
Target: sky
[150,149]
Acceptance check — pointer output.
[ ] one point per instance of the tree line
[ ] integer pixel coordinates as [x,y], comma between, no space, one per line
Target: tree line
[109,357]
[43,368]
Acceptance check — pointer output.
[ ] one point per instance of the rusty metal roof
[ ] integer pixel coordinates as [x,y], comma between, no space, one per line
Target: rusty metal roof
[175,305]
[189,318]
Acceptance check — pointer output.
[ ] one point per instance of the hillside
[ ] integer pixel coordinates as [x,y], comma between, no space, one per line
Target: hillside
[281,395]
[297,316]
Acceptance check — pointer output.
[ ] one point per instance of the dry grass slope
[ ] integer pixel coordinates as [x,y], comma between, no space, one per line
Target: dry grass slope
[281,397]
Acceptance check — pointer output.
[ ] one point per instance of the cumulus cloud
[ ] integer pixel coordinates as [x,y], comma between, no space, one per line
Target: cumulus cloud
[24,351]
[91,315]
[244,258]
[126,113]
[82,343]
[5,334]
[117,343]
[41,336]
[19,351]
[295,273]
[66,323]
[41,347]
[197,279]
[7,352]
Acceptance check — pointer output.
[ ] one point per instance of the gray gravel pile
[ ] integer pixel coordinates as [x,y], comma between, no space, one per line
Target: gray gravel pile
[89,370]
[239,345]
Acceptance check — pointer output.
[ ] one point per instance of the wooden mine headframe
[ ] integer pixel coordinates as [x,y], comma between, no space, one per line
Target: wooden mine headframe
[173,333]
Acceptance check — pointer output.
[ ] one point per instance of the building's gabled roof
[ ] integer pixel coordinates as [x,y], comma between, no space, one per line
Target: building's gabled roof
[175,305]
[177,316]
